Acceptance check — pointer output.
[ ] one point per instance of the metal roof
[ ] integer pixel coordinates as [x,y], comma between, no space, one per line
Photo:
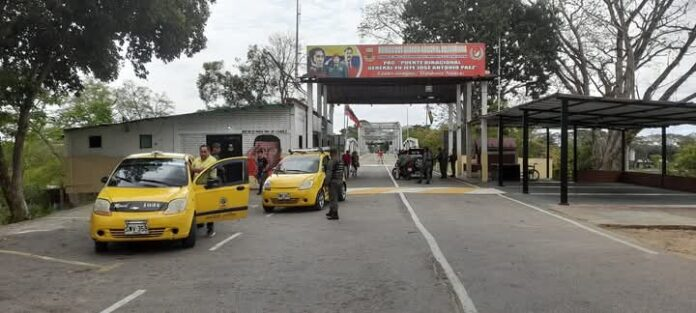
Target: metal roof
[392,90]
[598,112]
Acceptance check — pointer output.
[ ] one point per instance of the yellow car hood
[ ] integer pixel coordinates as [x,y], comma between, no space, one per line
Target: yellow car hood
[120,194]
[289,180]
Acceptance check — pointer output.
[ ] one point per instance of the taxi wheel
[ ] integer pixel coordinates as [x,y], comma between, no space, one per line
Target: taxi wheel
[344,193]
[268,209]
[321,201]
[100,247]
[190,241]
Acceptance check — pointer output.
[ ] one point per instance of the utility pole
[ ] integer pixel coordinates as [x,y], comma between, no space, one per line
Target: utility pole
[297,42]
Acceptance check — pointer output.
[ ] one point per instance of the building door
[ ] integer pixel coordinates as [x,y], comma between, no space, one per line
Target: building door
[231,145]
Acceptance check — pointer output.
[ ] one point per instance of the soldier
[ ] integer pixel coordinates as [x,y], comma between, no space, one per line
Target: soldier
[334,181]
[441,159]
[427,169]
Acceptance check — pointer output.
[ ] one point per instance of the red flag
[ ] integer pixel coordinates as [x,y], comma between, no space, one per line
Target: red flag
[351,115]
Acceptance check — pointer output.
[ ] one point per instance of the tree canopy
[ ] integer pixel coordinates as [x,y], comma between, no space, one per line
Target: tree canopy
[48,46]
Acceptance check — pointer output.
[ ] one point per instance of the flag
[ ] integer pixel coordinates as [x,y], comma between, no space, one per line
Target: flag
[430,113]
[351,115]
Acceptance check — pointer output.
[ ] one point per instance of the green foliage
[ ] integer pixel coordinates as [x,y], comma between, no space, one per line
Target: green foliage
[427,136]
[529,50]
[685,160]
[265,76]
[47,47]
[93,106]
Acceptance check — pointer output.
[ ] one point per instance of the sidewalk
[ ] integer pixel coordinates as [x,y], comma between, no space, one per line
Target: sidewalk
[57,220]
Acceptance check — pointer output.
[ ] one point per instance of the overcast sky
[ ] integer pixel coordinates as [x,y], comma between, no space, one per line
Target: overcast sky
[235,25]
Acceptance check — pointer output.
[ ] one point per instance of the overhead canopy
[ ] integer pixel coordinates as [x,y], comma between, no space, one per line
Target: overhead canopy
[393,90]
[598,112]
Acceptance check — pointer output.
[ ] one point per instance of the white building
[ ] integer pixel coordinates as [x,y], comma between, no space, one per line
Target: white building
[92,152]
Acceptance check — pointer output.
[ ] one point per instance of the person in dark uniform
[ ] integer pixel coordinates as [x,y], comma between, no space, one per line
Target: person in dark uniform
[334,180]
[427,169]
[441,159]
[261,165]
[453,162]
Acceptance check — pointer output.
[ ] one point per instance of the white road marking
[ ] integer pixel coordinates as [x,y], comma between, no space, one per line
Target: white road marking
[124,301]
[32,231]
[51,259]
[462,295]
[221,243]
[616,194]
[585,227]
[269,215]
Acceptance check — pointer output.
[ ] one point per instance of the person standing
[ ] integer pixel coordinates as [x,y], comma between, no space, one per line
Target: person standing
[346,163]
[441,159]
[215,150]
[355,162]
[427,168]
[261,164]
[453,162]
[202,162]
[380,156]
[334,182]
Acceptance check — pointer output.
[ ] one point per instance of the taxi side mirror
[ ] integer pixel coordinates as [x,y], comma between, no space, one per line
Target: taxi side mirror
[104,179]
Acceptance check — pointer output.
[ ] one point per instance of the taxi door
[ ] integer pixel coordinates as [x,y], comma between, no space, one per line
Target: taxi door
[222,191]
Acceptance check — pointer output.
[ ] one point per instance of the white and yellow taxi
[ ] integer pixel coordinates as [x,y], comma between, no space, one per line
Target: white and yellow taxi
[298,181]
[155,196]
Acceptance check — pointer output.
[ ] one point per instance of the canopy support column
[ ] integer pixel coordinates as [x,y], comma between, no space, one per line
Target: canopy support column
[469,146]
[484,132]
[664,154]
[310,116]
[564,152]
[548,153]
[575,153]
[459,135]
[500,150]
[525,152]
[623,150]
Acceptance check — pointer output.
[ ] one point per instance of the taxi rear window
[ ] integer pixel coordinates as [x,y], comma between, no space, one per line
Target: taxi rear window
[150,172]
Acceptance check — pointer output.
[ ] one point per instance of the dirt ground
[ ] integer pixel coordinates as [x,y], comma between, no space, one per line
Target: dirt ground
[673,240]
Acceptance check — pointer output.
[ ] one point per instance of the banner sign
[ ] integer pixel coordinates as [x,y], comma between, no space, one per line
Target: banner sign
[392,61]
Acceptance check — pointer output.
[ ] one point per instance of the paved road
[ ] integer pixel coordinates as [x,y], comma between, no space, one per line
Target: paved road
[508,257]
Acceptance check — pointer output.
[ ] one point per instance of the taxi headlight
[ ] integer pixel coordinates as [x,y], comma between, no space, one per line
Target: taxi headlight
[267,185]
[102,207]
[176,206]
[306,184]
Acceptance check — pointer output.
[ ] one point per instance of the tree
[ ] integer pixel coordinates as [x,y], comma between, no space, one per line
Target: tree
[527,54]
[133,102]
[607,44]
[382,20]
[46,46]
[92,106]
[263,77]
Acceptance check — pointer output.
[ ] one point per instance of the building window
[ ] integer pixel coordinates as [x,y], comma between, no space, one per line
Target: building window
[95,142]
[145,141]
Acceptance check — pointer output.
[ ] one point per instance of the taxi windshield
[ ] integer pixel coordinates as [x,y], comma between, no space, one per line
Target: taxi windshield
[299,165]
[150,172]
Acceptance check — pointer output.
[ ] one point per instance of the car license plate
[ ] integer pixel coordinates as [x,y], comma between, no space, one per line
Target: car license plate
[283,196]
[136,228]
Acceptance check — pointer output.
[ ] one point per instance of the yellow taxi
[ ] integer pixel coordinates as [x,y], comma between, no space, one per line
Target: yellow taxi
[298,181]
[155,196]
